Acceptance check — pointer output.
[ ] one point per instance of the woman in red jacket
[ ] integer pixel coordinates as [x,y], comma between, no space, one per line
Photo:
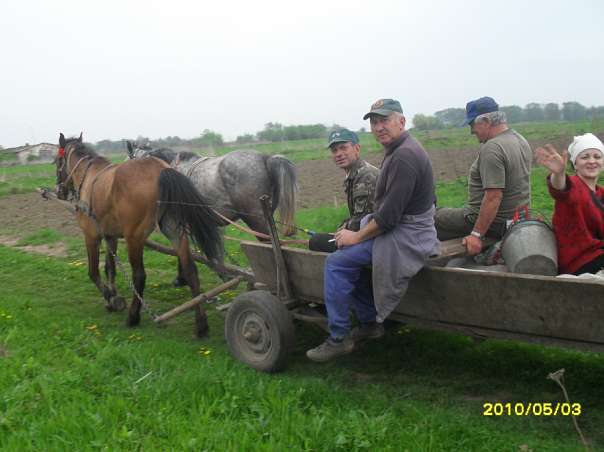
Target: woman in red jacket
[579,208]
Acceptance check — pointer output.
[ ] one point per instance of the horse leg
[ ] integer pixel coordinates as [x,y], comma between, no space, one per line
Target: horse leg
[191,275]
[117,302]
[92,248]
[255,221]
[170,230]
[135,256]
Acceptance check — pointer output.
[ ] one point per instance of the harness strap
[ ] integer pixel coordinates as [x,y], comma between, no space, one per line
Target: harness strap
[194,165]
[258,234]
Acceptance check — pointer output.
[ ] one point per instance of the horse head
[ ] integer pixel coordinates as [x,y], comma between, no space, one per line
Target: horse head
[64,184]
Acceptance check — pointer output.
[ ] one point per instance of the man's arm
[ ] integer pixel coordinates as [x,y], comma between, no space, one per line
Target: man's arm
[488,211]
[344,237]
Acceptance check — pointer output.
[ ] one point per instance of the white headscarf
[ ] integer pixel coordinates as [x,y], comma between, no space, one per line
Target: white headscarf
[582,143]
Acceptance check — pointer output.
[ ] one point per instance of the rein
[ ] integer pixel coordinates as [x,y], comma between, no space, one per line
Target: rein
[256,233]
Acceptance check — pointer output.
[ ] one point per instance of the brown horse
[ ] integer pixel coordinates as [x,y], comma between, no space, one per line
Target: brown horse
[128,200]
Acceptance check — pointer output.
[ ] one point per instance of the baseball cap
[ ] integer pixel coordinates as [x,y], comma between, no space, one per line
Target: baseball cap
[342,136]
[383,107]
[478,107]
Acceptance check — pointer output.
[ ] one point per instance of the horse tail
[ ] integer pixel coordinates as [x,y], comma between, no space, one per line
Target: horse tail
[181,202]
[282,173]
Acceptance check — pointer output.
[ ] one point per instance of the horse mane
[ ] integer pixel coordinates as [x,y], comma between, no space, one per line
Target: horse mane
[83,150]
[165,154]
[187,155]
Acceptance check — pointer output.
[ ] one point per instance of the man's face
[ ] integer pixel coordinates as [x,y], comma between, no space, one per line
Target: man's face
[481,129]
[387,129]
[345,154]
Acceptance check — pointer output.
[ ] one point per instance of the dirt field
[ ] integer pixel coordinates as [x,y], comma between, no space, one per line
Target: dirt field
[320,183]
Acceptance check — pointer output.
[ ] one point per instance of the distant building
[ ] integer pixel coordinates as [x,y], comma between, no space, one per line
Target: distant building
[43,152]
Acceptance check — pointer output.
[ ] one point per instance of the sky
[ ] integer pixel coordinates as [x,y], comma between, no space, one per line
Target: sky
[122,69]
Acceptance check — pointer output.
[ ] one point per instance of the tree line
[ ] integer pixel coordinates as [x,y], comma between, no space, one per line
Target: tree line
[447,118]
[532,112]
[272,132]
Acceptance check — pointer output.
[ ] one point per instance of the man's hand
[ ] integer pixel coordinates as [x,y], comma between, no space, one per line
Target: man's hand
[344,237]
[473,244]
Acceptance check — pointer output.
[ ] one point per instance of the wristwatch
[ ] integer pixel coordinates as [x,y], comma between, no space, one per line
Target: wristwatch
[476,234]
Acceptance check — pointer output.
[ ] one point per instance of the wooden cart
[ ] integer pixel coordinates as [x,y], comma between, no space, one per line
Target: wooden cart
[539,309]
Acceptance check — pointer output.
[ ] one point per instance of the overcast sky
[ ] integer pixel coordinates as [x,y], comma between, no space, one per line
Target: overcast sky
[117,69]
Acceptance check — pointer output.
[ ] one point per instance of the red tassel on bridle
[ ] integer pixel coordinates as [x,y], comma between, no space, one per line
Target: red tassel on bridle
[61,152]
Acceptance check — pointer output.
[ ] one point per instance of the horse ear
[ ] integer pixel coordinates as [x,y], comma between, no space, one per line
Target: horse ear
[61,140]
[80,138]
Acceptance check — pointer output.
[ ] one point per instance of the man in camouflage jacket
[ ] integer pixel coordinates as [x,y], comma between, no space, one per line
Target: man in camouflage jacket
[360,176]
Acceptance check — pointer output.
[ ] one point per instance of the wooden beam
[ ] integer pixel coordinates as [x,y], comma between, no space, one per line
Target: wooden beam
[198,299]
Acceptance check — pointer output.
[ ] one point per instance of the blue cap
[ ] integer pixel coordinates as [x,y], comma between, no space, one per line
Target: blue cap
[342,136]
[478,107]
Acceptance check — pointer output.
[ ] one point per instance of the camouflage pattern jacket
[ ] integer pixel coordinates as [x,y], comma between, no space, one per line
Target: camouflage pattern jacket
[360,189]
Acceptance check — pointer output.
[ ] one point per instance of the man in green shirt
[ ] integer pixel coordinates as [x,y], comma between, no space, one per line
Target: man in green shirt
[360,176]
[498,183]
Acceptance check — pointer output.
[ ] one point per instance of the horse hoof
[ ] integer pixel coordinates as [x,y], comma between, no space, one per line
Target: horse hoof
[179,282]
[202,332]
[118,303]
[133,320]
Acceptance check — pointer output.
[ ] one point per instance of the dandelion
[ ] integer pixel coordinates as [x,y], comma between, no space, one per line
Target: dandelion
[205,352]
[92,327]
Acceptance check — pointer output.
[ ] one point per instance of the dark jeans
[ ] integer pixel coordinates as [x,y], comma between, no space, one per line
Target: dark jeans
[592,267]
[454,223]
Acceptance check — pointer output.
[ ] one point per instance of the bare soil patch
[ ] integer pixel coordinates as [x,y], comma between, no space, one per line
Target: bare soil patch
[55,249]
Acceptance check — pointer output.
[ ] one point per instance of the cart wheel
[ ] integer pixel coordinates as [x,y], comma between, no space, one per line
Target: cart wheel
[259,331]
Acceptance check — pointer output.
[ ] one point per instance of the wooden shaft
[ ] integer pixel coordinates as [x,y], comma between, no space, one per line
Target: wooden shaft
[279,260]
[231,269]
[198,300]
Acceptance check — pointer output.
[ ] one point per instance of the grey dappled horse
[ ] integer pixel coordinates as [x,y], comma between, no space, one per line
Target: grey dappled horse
[236,181]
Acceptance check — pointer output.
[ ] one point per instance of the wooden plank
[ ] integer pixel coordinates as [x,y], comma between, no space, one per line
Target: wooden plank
[485,333]
[198,300]
[538,305]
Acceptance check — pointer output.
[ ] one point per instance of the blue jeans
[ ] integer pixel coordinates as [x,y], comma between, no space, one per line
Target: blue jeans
[348,287]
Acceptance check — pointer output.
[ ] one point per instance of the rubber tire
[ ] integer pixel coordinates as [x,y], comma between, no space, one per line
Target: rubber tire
[266,316]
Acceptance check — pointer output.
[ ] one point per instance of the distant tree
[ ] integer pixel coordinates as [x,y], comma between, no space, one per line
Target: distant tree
[533,112]
[272,132]
[246,138]
[362,130]
[573,111]
[276,132]
[425,122]
[593,112]
[551,112]
[514,113]
[209,138]
[451,117]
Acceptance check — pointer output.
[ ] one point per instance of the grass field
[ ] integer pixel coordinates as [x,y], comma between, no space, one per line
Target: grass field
[446,139]
[73,376]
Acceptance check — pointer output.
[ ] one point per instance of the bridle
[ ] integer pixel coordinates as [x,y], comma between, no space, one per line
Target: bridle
[62,186]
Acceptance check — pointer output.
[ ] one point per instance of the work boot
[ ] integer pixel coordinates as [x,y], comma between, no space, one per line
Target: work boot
[373,330]
[331,349]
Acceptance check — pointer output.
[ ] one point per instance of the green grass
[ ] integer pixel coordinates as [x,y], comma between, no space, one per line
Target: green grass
[73,376]
[26,178]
